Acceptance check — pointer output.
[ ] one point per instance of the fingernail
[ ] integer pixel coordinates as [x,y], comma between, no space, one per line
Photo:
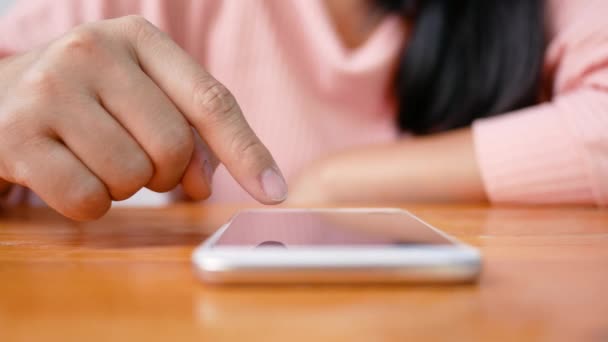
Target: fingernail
[274,185]
[208,171]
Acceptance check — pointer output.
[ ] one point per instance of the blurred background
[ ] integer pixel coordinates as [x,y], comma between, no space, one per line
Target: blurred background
[4,5]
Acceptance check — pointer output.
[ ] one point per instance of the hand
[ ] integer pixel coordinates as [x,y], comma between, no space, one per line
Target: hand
[108,109]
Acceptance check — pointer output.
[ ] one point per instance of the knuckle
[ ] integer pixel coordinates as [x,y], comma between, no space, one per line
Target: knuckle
[44,83]
[142,29]
[83,42]
[137,172]
[140,168]
[215,99]
[249,148]
[244,146]
[87,199]
[171,158]
[19,171]
[178,147]
[137,21]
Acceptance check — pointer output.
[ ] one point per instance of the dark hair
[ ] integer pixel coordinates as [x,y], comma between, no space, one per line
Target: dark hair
[467,59]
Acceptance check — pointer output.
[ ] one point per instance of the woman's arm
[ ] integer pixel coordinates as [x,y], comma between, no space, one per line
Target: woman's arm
[556,152]
[441,167]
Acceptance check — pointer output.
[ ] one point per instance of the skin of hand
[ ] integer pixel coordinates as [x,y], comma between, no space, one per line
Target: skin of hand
[115,106]
[436,168]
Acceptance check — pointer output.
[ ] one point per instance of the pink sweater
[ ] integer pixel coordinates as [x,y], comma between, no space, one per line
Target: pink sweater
[307,96]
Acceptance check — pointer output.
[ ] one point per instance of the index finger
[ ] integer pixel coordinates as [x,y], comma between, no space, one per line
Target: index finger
[211,109]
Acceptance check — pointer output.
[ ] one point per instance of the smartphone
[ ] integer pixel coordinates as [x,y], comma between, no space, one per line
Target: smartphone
[333,246]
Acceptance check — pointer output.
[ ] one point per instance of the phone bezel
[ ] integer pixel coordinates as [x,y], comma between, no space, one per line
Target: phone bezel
[456,262]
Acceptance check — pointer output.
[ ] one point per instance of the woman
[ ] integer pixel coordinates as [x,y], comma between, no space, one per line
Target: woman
[335,89]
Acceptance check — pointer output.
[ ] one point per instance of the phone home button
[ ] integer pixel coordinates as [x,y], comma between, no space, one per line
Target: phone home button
[271,243]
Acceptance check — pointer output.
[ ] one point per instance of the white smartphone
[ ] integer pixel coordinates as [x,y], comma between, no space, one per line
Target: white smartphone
[333,246]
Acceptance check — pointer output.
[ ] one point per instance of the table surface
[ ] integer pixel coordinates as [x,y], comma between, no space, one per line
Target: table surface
[128,276]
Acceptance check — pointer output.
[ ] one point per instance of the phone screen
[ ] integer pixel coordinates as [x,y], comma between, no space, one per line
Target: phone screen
[284,229]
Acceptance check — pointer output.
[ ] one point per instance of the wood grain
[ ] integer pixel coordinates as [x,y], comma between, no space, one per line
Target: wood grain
[128,277]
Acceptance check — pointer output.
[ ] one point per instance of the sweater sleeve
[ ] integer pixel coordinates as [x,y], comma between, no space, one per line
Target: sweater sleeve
[556,152]
[30,23]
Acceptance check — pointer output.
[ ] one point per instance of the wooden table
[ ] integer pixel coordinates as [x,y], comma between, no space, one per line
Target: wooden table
[128,276]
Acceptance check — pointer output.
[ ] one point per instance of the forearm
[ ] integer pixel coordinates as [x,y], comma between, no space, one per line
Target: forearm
[441,167]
